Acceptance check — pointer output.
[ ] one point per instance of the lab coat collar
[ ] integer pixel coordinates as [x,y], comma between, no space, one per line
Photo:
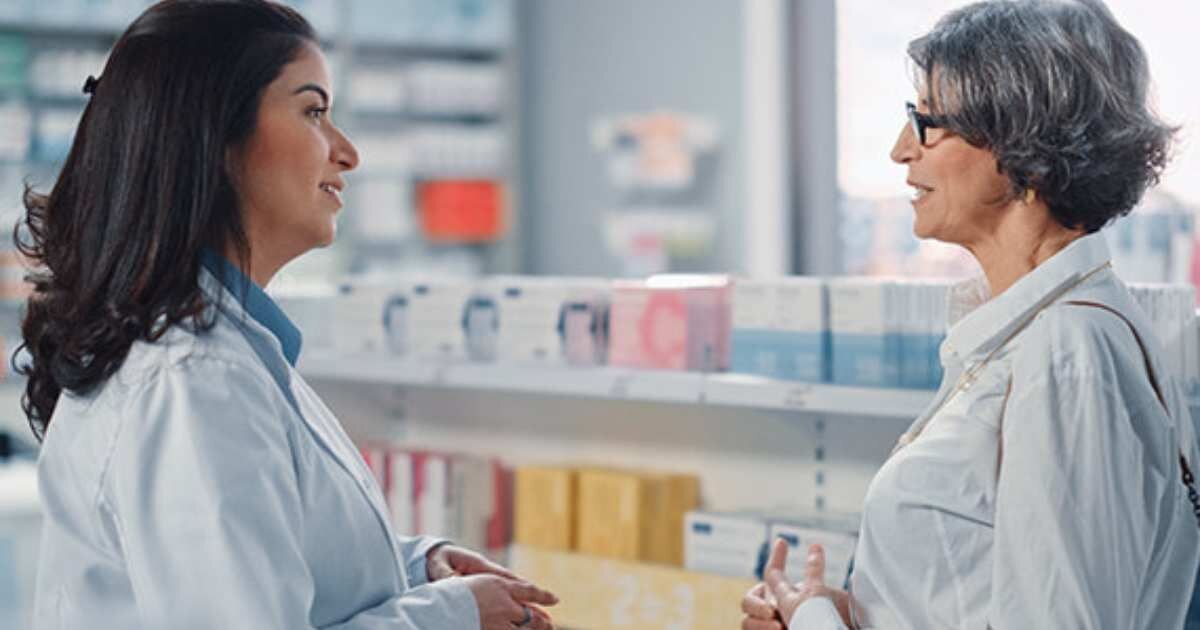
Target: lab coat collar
[256,303]
[979,322]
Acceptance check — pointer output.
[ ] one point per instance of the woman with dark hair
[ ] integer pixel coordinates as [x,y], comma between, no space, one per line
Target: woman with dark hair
[189,477]
[1049,484]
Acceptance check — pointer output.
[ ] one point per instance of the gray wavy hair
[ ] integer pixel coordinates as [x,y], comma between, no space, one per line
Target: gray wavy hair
[1058,91]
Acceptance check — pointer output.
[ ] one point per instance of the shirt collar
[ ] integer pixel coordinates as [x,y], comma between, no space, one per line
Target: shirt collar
[256,302]
[979,322]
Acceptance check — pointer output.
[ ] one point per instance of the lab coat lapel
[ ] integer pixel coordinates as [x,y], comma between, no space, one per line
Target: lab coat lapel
[316,416]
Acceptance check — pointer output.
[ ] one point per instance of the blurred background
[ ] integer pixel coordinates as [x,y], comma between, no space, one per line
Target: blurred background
[561,155]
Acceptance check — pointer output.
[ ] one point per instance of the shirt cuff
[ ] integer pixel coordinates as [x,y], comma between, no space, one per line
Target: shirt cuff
[418,567]
[817,613]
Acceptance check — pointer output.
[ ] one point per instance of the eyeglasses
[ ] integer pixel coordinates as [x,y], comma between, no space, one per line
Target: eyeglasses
[920,122]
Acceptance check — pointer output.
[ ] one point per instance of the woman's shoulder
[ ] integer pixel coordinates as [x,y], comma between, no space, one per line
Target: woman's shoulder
[218,351]
[1073,338]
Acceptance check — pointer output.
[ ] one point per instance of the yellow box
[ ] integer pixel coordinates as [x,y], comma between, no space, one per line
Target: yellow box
[634,516]
[544,514]
[672,497]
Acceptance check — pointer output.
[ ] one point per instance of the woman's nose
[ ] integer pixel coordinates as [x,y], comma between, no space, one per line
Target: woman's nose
[906,148]
[344,153]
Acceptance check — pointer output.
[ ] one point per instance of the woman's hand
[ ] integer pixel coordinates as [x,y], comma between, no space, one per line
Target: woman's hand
[446,561]
[505,604]
[772,604]
[760,613]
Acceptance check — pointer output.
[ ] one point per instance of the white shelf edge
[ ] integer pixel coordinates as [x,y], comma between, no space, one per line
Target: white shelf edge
[611,383]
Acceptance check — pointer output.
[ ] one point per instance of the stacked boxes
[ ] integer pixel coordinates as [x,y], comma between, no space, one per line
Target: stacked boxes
[545,509]
[628,515]
[436,318]
[356,318]
[531,321]
[465,498]
[635,516]
[728,544]
[886,333]
[737,544]
[672,322]
[865,347]
[781,329]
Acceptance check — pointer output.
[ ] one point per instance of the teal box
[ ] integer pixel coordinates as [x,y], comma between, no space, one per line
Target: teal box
[920,365]
[785,355]
[866,360]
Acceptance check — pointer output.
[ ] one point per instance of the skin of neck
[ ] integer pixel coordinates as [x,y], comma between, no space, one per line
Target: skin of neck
[263,263]
[1024,236]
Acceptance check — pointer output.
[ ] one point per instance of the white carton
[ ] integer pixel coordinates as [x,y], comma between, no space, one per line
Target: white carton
[724,543]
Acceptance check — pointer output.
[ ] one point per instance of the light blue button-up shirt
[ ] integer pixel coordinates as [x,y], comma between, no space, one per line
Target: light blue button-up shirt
[205,485]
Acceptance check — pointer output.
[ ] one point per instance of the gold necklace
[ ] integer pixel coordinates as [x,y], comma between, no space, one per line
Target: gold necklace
[968,378]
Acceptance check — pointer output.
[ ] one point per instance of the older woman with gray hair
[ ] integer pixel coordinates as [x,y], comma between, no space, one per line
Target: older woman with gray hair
[1049,484]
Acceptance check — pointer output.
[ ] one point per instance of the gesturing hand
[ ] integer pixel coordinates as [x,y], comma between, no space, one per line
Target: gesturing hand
[772,604]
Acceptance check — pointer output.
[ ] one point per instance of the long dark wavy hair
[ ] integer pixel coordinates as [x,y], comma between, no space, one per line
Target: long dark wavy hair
[115,246]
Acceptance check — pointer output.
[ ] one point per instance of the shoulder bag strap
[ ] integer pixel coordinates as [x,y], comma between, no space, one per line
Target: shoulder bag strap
[1189,480]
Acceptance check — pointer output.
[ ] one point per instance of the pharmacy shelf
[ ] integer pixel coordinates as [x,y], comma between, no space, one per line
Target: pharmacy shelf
[609,383]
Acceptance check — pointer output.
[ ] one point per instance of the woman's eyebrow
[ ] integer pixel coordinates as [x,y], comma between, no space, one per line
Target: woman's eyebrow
[313,87]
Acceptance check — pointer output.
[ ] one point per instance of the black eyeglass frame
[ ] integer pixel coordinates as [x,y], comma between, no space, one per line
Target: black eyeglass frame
[922,122]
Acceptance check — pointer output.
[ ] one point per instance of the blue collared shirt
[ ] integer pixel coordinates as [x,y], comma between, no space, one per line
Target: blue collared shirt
[257,303]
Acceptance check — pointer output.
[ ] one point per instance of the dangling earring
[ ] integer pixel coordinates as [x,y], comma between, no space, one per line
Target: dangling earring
[1030,196]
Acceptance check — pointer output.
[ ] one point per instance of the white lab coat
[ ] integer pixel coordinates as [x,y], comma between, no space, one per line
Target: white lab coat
[206,486]
[1057,504]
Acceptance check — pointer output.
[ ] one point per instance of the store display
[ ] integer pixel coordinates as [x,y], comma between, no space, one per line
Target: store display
[546,516]
[885,333]
[674,322]
[781,329]
[468,211]
[464,498]
[634,515]
[725,543]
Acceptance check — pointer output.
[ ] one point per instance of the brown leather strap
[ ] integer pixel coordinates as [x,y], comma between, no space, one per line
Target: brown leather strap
[1189,480]
[1145,355]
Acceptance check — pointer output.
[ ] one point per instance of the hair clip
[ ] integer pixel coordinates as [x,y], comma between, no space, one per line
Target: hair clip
[89,86]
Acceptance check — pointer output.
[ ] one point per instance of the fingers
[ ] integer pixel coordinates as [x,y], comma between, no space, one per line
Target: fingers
[755,603]
[778,559]
[750,623]
[469,562]
[774,576]
[526,593]
[814,569]
[487,566]
[540,620]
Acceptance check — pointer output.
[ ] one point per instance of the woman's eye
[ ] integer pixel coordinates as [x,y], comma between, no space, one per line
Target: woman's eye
[318,113]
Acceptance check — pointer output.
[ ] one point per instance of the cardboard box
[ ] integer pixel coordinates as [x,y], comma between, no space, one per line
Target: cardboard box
[545,513]
[672,322]
[635,516]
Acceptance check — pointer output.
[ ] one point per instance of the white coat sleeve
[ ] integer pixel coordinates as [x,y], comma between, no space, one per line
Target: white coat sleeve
[206,497]
[1076,502]
[817,613]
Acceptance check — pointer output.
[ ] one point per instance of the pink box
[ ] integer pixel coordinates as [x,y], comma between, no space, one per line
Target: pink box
[672,322]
